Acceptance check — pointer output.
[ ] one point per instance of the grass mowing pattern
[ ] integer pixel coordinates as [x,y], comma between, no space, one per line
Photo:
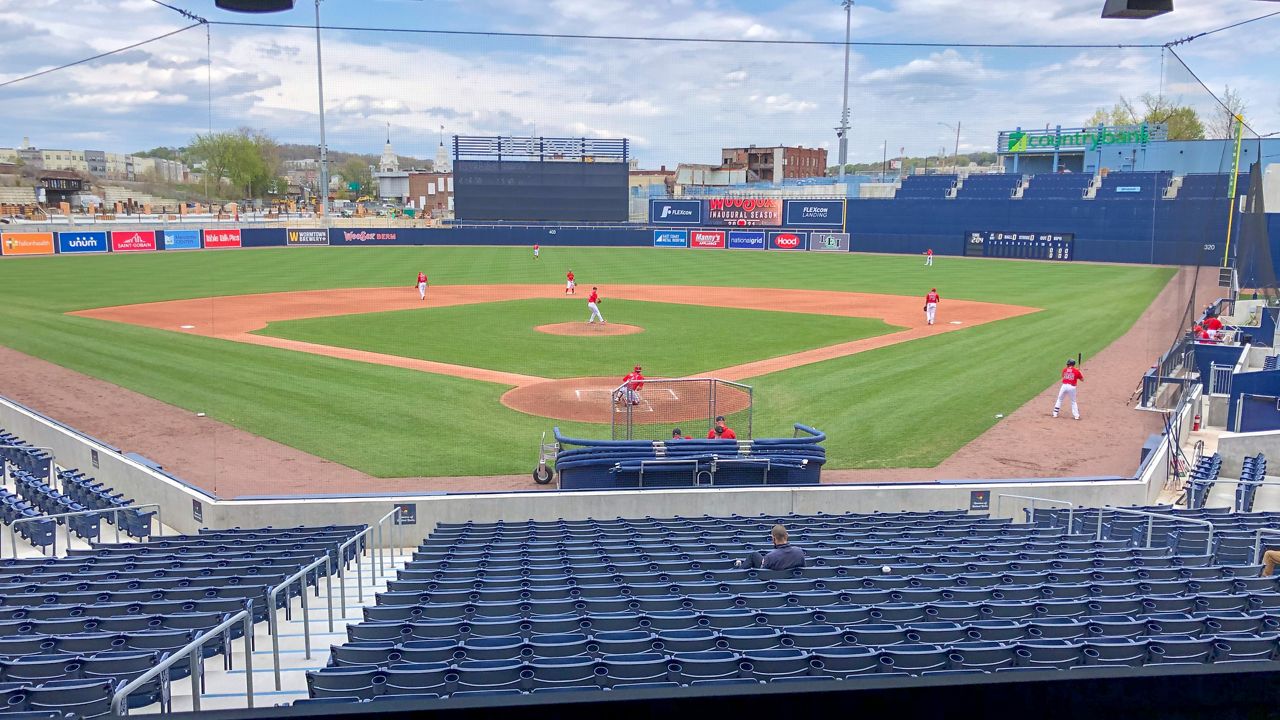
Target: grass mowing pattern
[908,405]
[678,340]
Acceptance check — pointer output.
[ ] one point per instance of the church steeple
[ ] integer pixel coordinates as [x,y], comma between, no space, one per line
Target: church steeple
[442,155]
[389,163]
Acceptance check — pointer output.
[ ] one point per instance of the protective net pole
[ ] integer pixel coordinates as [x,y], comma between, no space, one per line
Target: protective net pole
[1235,175]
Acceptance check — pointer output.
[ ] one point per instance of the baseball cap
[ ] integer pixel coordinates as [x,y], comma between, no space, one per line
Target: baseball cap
[637,367]
[1071,361]
[676,433]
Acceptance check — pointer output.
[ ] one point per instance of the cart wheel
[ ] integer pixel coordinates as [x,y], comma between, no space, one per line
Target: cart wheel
[543,475]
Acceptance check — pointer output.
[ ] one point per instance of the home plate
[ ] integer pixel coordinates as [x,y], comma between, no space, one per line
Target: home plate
[956,322]
[188,327]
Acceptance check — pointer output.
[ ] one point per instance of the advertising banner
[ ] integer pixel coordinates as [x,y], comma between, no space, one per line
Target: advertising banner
[215,239]
[379,236]
[307,237]
[181,239]
[788,240]
[133,240]
[675,212]
[34,243]
[746,240]
[671,238]
[744,211]
[706,239]
[82,242]
[829,242]
[820,213]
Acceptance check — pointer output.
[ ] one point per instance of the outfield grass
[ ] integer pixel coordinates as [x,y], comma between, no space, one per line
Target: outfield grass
[908,405]
[678,340]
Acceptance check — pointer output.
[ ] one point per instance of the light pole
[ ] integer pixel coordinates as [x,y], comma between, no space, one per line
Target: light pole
[956,161]
[324,148]
[842,132]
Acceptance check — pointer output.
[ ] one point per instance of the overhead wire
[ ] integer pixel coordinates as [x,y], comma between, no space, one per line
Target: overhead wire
[99,56]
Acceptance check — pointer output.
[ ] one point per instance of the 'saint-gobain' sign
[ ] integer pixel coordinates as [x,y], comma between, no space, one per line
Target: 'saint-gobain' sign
[1019,141]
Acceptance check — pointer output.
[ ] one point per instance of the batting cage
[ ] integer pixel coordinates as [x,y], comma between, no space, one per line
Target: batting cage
[652,409]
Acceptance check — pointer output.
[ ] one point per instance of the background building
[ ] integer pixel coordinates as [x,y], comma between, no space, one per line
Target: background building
[775,164]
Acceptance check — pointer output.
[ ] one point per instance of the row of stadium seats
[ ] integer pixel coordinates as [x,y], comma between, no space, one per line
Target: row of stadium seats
[692,667]
[18,453]
[88,623]
[528,607]
[1252,472]
[1134,185]
[1201,479]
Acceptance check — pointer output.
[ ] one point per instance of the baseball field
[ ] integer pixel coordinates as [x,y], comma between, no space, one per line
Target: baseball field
[330,351]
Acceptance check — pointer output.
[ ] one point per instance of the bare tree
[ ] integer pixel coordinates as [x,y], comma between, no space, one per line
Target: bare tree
[1221,123]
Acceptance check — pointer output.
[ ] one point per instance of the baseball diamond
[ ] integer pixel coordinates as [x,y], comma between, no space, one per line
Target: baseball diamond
[847,347]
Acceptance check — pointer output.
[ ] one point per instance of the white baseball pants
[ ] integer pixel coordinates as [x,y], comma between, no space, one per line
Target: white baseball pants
[422,290]
[930,312]
[1067,391]
[595,313]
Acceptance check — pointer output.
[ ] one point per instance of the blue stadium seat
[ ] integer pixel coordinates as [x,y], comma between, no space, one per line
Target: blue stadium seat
[710,665]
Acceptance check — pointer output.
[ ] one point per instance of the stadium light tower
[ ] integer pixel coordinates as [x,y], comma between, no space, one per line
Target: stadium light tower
[842,132]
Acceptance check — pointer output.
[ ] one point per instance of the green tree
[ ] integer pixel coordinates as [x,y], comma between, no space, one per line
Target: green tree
[249,159]
[356,170]
[1183,121]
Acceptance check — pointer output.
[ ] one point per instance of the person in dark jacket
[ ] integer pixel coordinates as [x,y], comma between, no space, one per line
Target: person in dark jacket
[784,555]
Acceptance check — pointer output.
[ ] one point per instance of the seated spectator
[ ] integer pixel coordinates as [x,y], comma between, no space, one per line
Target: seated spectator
[678,434]
[720,431]
[1214,327]
[784,555]
[1269,560]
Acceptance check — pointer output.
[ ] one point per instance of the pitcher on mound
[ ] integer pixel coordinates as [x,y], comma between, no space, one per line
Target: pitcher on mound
[593,304]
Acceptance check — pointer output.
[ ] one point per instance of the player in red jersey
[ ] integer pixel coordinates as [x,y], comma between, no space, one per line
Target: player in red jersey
[631,386]
[928,257]
[593,302]
[569,284]
[1070,376]
[931,300]
[536,250]
[422,285]
[720,431]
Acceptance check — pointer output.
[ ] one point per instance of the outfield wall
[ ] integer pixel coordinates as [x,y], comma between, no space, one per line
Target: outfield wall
[1181,232]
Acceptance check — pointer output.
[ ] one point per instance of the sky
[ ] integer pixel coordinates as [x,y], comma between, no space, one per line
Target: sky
[676,102]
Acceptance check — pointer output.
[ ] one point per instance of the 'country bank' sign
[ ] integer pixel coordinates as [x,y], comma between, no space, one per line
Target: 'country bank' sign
[1088,139]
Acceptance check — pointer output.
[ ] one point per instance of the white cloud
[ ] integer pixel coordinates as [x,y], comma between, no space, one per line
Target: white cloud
[675,101]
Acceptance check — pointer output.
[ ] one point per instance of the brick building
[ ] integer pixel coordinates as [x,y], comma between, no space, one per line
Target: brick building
[775,164]
[431,193]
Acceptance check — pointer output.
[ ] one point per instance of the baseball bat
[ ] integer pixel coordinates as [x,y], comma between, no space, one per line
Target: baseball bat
[1079,359]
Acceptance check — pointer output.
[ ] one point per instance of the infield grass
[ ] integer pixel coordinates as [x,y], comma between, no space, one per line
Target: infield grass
[912,404]
[678,340]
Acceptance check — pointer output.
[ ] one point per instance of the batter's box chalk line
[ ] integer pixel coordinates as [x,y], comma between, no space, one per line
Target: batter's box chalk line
[591,393]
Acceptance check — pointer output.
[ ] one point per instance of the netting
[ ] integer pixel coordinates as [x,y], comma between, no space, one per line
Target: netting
[690,405]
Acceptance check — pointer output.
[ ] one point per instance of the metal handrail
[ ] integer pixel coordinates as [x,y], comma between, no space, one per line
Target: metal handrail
[1257,542]
[1071,509]
[119,701]
[342,568]
[273,611]
[115,519]
[1151,523]
[382,547]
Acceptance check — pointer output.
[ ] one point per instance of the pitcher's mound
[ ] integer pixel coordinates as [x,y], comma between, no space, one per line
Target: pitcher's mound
[580,328]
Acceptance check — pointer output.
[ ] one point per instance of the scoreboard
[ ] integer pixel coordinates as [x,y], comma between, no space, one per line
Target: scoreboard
[1028,246]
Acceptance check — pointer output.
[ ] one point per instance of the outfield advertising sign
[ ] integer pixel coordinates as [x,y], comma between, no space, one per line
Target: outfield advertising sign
[820,213]
[746,240]
[706,239]
[788,240]
[214,239]
[744,212]
[133,240]
[82,242]
[28,243]
[307,237]
[671,238]
[675,212]
[829,242]
[181,239]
